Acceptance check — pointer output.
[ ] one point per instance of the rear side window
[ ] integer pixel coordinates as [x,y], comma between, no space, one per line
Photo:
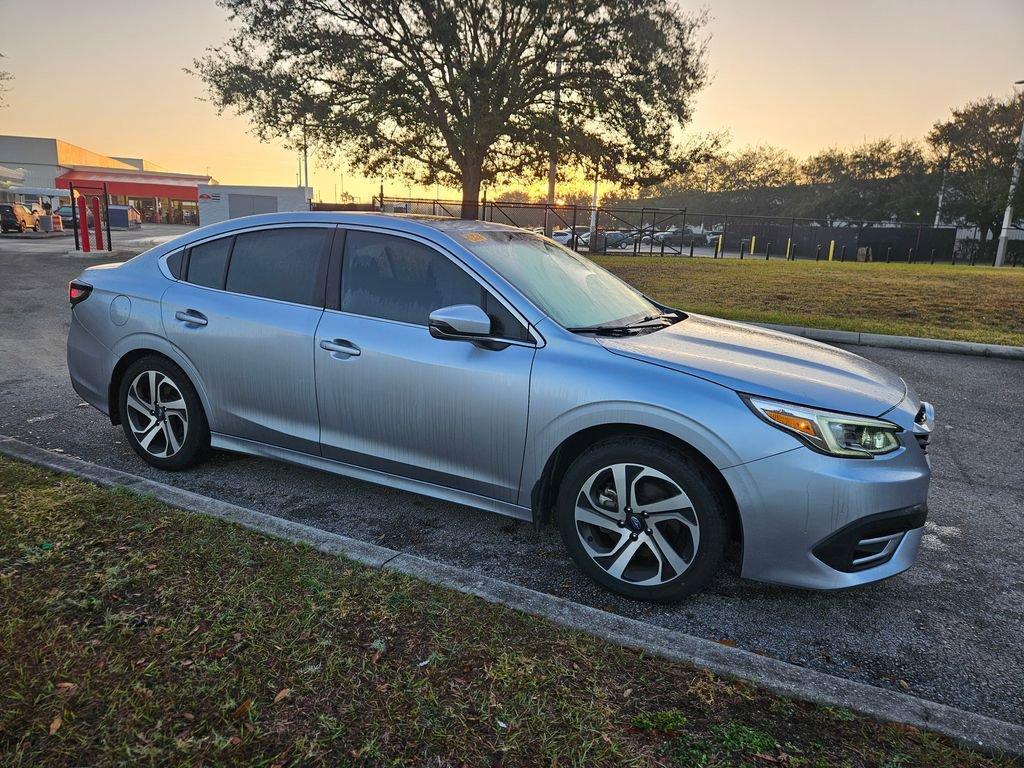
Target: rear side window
[398,279]
[283,264]
[208,262]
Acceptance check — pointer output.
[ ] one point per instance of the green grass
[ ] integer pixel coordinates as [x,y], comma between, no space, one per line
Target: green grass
[135,634]
[943,302]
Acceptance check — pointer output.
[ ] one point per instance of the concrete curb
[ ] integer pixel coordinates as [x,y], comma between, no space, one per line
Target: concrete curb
[977,731]
[900,342]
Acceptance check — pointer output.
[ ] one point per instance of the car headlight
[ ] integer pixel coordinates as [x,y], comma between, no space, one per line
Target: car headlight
[837,434]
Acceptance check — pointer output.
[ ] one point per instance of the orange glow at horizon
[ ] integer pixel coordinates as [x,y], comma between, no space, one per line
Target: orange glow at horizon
[797,74]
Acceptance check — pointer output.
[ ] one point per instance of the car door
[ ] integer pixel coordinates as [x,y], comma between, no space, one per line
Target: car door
[244,315]
[395,399]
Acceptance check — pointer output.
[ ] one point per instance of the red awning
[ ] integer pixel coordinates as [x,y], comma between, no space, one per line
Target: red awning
[140,184]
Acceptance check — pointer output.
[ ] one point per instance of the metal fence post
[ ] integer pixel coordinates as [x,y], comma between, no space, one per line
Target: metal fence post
[888,254]
[910,256]
[741,249]
[691,246]
[74,214]
[792,252]
[768,251]
[817,252]
[842,254]
[106,209]
[933,256]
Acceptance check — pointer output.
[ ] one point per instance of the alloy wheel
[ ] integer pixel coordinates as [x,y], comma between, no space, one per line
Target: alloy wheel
[157,414]
[637,524]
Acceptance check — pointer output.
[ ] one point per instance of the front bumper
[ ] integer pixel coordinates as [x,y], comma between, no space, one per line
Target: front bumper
[822,522]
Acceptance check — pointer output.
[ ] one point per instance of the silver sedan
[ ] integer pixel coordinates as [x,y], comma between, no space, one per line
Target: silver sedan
[489,366]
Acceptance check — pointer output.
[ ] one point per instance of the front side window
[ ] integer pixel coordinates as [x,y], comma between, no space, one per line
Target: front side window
[395,278]
[571,290]
[283,264]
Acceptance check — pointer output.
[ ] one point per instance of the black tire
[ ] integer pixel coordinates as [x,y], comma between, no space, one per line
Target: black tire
[708,511]
[196,444]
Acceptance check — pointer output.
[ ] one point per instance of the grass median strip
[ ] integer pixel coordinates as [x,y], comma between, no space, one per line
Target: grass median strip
[942,302]
[131,632]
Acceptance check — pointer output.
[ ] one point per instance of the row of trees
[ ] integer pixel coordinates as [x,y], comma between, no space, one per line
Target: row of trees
[967,157]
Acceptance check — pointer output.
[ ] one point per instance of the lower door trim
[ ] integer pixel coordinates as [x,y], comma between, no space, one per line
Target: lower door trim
[254,448]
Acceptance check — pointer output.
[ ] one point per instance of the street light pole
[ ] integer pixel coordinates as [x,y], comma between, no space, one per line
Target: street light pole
[553,157]
[1004,233]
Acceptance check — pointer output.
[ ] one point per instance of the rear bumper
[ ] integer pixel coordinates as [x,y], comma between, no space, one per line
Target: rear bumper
[821,522]
[88,365]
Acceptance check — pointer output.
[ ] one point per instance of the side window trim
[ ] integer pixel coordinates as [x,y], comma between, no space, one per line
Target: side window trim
[332,295]
[441,251]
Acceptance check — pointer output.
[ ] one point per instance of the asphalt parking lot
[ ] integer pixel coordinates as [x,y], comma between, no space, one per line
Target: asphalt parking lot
[949,630]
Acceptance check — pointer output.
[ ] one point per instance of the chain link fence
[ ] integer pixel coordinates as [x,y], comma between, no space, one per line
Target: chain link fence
[678,232]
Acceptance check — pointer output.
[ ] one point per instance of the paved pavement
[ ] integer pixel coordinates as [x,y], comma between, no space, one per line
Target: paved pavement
[948,630]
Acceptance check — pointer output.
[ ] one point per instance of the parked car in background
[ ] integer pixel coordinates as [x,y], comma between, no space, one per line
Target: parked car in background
[488,366]
[67,218]
[15,217]
[674,236]
[565,236]
[710,238]
[604,241]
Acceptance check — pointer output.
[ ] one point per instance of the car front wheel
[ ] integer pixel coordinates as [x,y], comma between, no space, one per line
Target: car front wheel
[641,519]
[162,415]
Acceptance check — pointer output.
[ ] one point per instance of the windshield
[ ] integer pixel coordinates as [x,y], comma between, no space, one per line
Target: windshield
[571,290]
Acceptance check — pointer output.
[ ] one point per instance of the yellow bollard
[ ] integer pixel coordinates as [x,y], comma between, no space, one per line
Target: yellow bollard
[753,244]
[789,245]
[721,240]
[831,249]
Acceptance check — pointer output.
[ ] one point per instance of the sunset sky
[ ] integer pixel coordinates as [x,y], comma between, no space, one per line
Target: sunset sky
[794,73]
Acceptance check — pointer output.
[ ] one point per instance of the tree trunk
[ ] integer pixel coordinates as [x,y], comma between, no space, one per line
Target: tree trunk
[471,177]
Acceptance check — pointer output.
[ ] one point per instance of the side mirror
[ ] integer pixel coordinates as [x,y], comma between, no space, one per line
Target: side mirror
[466,322]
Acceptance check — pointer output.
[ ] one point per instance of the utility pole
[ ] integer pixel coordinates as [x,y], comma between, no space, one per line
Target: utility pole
[553,158]
[942,192]
[593,207]
[305,155]
[1004,233]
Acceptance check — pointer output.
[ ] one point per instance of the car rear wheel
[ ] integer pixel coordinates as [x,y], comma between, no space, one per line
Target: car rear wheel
[642,520]
[162,415]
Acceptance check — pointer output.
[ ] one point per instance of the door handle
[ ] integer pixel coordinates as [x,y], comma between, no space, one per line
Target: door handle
[340,345]
[191,316]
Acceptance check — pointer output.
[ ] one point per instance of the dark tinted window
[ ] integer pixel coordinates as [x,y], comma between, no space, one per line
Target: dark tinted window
[207,262]
[174,263]
[280,264]
[399,279]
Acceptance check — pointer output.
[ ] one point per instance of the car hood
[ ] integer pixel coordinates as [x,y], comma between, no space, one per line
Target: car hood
[769,363]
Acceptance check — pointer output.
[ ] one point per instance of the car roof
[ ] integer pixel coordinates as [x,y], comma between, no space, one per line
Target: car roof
[409,223]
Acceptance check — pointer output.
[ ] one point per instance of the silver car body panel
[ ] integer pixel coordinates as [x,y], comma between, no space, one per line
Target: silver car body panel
[478,426]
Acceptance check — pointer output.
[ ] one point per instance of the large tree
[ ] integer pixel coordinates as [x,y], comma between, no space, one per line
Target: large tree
[979,142]
[462,92]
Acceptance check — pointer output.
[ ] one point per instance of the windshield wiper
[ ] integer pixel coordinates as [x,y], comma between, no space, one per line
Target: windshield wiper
[662,320]
[605,330]
[666,317]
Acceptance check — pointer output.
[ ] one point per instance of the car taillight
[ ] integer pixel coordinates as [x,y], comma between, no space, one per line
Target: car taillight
[78,292]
